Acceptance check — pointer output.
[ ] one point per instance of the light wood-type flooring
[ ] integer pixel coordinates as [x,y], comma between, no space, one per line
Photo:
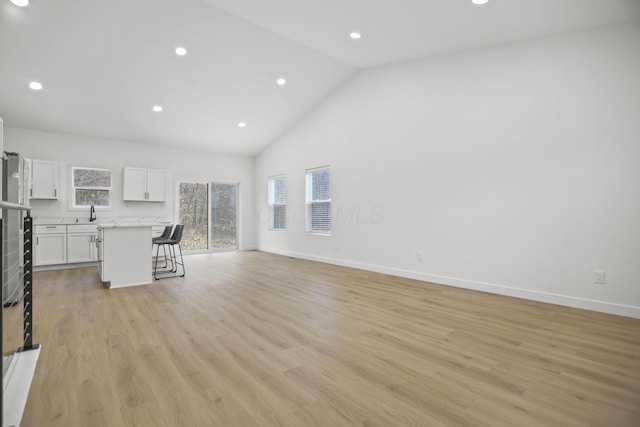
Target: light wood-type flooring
[255,339]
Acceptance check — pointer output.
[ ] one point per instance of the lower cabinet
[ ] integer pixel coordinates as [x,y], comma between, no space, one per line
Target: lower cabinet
[81,247]
[62,244]
[51,244]
[81,243]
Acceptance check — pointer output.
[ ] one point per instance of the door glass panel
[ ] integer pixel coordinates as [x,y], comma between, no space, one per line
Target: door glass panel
[193,207]
[224,216]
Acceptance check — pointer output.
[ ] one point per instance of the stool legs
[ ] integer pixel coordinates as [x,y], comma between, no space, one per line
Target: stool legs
[173,259]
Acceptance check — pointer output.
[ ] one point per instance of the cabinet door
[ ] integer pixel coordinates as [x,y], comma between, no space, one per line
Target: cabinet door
[44,179]
[99,255]
[94,247]
[81,247]
[134,184]
[156,180]
[51,249]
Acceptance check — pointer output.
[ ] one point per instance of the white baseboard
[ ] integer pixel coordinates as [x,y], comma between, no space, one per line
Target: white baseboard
[64,266]
[551,298]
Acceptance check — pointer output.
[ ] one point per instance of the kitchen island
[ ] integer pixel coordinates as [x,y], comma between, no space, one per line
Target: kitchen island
[124,254]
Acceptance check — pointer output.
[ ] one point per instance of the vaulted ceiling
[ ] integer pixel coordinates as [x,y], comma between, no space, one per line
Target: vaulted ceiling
[105,64]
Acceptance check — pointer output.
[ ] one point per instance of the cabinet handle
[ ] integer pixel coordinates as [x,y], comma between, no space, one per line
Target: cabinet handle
[51,226]
[55,193]
[31,192]
[37,240]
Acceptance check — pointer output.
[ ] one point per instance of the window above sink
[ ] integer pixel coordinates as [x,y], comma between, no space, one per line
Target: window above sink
[91,187]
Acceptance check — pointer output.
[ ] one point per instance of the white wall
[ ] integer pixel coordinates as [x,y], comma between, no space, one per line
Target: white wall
[513,169]
[69,150]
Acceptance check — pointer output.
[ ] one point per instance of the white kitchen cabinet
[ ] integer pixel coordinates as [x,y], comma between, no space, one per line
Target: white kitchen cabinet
[81,243]
[44,180]
[156,185]
[134,183]
[144,185]
[51,244]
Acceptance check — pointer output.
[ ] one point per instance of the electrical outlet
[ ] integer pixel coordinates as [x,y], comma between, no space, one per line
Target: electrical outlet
[598,277]
[419,256]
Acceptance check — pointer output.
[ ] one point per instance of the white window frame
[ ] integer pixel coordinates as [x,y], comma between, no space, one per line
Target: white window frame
[309,202]
[73,188]
[271,191]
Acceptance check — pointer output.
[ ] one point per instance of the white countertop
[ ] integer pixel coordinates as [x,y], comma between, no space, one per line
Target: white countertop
[105,221]
[128,225]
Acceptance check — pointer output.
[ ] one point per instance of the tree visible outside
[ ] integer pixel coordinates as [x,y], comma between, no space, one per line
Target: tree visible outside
[93,197]
[91,186]
[223,216]
[193,213]
[93,178]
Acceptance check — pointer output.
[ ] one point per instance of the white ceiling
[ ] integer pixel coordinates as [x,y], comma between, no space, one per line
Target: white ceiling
[401,30]
[104,64]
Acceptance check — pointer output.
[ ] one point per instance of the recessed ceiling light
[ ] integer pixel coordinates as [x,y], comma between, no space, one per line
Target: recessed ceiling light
[479,1]
[281,81]
[20,3]
[157,108]
[180,51]
[355,35]
[241,124]
[35,85]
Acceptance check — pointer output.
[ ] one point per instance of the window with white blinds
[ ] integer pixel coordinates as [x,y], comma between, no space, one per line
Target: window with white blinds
[318,200]
[278,203]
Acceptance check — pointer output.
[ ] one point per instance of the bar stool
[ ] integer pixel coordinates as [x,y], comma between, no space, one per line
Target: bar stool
[172,242]
[165,235]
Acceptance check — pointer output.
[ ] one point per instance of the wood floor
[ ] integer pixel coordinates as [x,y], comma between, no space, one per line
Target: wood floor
[254,339]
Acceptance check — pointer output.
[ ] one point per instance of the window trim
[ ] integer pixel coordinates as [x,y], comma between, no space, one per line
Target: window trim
[309,202]
[271,202]
[73,188]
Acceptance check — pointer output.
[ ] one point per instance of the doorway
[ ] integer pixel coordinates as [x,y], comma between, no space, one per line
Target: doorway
[209,212]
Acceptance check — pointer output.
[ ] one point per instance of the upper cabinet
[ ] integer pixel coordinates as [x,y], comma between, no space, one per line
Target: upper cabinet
[44,180]
[144,185]
[156,181]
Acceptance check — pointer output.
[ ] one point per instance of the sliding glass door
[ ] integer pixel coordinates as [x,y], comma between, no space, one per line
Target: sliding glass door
[224,216]
[209,212]
[193,206]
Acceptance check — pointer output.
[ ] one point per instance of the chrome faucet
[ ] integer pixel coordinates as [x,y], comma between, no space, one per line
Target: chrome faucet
[92,214]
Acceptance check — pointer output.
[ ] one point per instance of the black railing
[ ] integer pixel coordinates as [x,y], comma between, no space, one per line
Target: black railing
[17,284]
[27,301]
